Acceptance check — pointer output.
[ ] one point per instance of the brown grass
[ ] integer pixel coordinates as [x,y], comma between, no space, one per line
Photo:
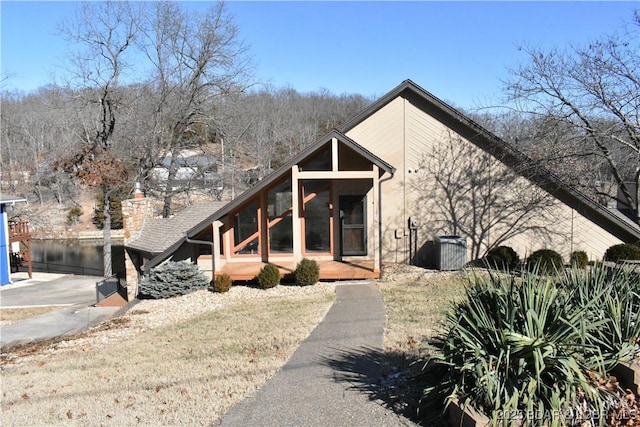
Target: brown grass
[192,371]
[415,306]
[11,315]
[188,373]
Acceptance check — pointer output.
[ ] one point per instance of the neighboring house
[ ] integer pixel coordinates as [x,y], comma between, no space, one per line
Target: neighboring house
[193,169]
[354,198]
[10,235]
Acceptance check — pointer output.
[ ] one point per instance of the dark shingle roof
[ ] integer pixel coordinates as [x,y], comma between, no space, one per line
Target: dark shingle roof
[158,235]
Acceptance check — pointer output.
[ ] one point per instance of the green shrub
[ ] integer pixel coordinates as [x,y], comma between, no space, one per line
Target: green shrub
[73,215]
[269,276]
[520,345]
[624,251]
[307,272]
[502,258]
[171,279]
[579,259]
[221,283]
[545,261]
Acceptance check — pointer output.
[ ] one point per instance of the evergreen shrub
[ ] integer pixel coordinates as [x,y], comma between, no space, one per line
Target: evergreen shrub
[171,279]
[73,215]
[502,258]
[307,272]
[623,251]
[221,283]
[579,259]
[545,261]
[269,276]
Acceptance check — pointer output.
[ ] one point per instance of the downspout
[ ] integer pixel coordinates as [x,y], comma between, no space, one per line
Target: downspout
[213,255]
[380,182]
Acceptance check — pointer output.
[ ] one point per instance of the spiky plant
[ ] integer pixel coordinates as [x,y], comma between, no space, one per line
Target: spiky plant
[517,346]
[611,297]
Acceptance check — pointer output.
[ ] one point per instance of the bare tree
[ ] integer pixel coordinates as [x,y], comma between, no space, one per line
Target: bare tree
[594,91]
[196,59]
[478,196]
[37,130]
[104,32]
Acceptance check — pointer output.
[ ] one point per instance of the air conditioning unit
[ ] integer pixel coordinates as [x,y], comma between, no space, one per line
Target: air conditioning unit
[451,252]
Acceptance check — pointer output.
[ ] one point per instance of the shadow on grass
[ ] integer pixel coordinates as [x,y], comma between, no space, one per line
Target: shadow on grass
[391,377]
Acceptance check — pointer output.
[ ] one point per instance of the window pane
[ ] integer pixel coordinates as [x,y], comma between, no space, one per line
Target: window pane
[281,236]
[246,224]
[279,199]
[319,162]
[281,233]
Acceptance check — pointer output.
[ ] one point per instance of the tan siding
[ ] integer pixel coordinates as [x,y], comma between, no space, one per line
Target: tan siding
[383,134]
[402,134]
[573,232]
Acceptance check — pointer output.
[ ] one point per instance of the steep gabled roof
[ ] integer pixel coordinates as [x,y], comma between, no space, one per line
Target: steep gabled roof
[609,220]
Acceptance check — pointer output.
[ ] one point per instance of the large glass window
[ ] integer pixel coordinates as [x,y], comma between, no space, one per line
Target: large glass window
[321,161]
[245,230]
[317,216]
[280,221]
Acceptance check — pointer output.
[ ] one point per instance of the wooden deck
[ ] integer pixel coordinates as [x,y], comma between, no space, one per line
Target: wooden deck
[329,270]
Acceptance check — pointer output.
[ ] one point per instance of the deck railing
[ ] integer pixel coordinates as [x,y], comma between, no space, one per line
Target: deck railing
[18,230]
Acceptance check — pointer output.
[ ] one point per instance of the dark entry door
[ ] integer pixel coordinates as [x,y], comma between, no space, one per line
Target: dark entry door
[353,225]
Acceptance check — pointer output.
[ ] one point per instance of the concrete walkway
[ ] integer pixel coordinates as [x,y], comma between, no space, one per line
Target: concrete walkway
[73,294]
[311,390]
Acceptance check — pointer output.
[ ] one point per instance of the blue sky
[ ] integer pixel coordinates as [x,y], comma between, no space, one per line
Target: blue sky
[459,51]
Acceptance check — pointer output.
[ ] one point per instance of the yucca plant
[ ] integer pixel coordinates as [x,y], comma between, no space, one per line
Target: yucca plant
[517,346]
[612,297]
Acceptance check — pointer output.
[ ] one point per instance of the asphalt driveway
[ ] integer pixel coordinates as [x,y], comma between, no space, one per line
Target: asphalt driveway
[62,291]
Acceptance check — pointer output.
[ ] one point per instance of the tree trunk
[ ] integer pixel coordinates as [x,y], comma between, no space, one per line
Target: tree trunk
[168,191]
[106,235]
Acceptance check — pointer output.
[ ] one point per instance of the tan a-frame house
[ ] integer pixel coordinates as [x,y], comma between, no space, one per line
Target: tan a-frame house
[353,201]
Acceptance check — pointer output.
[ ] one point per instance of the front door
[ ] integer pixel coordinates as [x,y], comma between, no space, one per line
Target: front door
[353,225]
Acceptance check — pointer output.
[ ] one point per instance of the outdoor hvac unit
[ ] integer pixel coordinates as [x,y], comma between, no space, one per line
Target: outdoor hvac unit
[451,252]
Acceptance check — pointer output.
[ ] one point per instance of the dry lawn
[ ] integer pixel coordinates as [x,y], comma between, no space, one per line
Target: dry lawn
[11,315]
[189,368]
[416,301]
[187,373]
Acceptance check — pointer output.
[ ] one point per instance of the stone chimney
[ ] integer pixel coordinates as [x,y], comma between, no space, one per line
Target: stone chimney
[134,213]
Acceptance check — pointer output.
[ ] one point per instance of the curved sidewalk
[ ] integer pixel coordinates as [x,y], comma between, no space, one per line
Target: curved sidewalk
[312,389]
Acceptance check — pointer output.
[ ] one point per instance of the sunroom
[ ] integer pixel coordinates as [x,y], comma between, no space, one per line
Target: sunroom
[324,204]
